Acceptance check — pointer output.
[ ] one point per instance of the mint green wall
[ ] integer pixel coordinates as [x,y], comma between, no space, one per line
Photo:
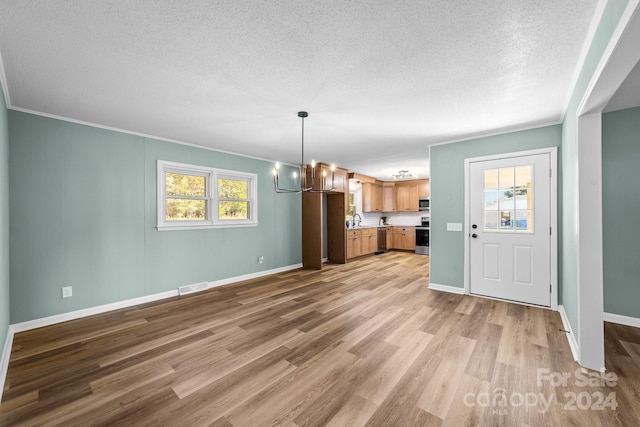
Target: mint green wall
[447,193]
[621,211]
[569,267]
[83,214]
[4,222]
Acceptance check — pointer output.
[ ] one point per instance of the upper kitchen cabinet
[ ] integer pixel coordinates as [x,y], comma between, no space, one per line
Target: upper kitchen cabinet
[372,196]
[407,196]
[388,197]
[328,180]
[423,188]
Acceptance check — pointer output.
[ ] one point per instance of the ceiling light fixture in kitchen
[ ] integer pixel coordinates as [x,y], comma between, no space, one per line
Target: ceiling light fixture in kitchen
[302,172]
[403,174]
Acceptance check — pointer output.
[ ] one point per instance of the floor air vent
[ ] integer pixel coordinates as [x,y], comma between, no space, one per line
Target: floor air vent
[184,290]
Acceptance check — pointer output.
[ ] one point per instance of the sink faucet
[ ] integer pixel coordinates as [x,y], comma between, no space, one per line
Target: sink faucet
[356,223]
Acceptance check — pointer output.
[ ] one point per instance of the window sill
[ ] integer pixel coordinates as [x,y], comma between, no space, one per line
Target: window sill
[204,226]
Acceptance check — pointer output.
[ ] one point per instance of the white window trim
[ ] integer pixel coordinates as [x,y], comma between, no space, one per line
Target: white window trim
[211,196]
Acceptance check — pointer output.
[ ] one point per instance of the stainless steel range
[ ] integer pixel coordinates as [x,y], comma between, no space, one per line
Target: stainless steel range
[422,236]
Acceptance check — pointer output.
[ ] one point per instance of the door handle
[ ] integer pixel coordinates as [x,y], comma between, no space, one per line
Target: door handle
[474,226]
[474,235]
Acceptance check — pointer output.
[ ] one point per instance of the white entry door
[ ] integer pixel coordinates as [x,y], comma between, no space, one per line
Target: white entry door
[510,228]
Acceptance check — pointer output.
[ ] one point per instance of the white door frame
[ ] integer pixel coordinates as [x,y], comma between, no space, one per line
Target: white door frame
[617,61]
[553,206]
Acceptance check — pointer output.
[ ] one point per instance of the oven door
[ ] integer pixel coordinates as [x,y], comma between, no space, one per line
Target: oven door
[422,240]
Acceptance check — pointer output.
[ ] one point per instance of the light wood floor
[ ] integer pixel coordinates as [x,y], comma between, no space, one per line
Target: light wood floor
[365,343]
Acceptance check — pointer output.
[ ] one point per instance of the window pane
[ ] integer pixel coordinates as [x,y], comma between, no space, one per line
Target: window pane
[490,220]
[185,185]
[490,179]
[506,220]
[186,210]
[523,176]
[232,188]
[233,210]
[506,180]
[352,199]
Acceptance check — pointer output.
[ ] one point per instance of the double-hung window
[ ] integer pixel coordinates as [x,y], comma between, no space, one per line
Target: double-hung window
[200,197]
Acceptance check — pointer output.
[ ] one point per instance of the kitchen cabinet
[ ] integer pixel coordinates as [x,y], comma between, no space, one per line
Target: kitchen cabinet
[407,196]
[372,196]
[388,197]
[334,182]
[404,238]
[362,241]
[423,188]
[354,243]
[389,238]
[369,241]
[320,209]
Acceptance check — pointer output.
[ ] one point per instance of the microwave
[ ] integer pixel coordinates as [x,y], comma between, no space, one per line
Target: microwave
[423,203]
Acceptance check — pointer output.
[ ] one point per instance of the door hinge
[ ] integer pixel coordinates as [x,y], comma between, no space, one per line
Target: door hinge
[550,231]
[550,288]
[550,172]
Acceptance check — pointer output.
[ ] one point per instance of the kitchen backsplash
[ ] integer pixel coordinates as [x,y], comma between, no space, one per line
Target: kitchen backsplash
[398,218]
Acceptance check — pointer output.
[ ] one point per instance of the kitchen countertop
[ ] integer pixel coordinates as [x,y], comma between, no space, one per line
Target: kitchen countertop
[386,225]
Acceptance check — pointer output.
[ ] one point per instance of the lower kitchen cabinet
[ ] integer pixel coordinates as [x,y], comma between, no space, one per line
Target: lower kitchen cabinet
[363,241]
[354,243]
[404,238]
[369,240]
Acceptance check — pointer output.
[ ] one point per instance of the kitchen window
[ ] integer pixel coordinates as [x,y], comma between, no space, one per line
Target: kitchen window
[352,205]
[194,197]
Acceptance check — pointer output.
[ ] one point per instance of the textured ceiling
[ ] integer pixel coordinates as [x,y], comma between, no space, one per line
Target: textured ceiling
[628,94]
[381,79]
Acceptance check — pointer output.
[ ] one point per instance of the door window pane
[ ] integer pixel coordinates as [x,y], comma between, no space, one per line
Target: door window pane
[508,199]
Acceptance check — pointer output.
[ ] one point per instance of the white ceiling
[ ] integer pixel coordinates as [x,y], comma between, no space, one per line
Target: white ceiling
[381,79]
[628,94]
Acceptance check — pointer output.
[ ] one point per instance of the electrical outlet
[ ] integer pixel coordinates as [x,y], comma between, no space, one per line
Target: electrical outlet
[67,292]
[260,259]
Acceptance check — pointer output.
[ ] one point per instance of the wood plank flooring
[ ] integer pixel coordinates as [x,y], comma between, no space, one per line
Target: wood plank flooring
[366,343]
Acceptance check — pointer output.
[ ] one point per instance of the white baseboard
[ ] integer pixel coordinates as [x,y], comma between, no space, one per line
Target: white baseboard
[4,359]
[573,344]
[622,320]
[85,312]
[446,288]
[72,315]
[253,275]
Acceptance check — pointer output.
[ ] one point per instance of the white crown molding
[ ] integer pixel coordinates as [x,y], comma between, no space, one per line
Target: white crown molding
[497,132]
[144,135]
[588,40]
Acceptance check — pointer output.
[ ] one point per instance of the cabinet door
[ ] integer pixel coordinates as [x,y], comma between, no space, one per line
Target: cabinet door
[376,203]
[371,197]
[340,181]
[354,243]
[389,238]
[410,239]
[423,188]
[407,197]
[369,241]
[389,197]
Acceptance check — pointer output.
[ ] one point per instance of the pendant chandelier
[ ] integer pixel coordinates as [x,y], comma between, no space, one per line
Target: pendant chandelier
[302,173]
